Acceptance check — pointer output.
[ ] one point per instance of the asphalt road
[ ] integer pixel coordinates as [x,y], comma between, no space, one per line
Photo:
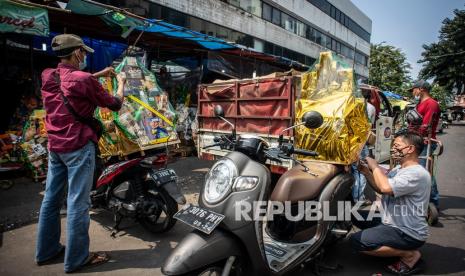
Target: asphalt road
[136,252]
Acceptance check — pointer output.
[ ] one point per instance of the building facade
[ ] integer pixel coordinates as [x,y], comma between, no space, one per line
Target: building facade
[295,29]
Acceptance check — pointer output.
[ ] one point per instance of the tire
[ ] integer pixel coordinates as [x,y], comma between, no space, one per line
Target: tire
[433,214]
[167,208]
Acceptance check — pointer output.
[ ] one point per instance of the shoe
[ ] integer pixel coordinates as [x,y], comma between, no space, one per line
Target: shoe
[400,268]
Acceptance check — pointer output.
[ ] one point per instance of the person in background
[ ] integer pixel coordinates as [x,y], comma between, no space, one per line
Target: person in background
[72,148]
[360,181]
[405,196]
[429,109]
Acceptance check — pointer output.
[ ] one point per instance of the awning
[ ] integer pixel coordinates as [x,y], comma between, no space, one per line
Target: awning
[21,18]
[167,29]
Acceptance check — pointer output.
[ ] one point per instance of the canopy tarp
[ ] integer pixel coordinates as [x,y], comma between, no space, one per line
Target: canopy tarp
[392,95]
[208,42]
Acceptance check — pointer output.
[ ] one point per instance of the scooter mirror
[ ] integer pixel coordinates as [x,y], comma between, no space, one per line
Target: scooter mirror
[218,110]
[312,119]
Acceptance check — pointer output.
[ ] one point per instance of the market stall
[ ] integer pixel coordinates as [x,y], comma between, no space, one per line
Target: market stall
[163,62]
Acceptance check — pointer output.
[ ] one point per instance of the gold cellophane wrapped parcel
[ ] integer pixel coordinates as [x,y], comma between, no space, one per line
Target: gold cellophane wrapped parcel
[330,89]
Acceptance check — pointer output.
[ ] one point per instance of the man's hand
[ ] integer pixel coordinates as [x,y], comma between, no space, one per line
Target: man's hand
[121,82]
[372,164]
[121,79]
[107,72]
[363,168]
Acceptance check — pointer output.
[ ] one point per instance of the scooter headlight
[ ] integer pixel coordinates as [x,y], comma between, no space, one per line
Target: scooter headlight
[219,181]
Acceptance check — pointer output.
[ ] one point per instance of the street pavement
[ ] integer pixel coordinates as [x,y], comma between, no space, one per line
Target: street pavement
[134,251]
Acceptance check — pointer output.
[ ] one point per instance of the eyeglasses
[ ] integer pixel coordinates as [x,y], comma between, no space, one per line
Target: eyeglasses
[396,147]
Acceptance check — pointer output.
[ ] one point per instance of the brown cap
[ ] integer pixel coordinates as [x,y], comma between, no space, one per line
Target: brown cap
[62,42]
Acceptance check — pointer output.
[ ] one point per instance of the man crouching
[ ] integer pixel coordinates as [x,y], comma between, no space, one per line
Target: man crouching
[405,197]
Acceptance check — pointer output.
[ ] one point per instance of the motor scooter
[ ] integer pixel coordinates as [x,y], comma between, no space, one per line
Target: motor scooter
[225,244]
[141,188]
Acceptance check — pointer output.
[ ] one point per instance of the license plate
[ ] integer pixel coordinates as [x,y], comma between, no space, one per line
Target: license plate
[199,218]
[163,176]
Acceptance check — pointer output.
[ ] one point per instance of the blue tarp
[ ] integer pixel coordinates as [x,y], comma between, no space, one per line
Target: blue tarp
[105,51]
[393,95]
[164,28]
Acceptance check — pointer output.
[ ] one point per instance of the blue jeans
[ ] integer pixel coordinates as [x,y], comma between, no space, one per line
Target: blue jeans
[76,168]
[360,181]
[434,195]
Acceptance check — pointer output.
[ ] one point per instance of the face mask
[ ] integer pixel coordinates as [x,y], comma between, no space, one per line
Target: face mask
[417,98]
[397,154]
[82,64]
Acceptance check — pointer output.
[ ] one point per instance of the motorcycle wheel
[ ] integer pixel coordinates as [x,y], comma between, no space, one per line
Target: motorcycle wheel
[162,219]
[433,214]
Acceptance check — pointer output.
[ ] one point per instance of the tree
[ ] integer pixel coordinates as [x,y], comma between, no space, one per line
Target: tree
[445,60]
[440,94]
[389,69]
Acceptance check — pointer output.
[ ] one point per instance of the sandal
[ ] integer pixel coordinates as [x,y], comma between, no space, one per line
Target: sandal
[60,254]
[400,268]
[94,259]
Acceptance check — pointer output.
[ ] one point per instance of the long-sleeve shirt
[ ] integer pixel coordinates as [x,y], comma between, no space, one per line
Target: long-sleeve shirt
[84,93]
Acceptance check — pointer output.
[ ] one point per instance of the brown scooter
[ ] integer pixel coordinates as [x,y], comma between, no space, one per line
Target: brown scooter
[225,244]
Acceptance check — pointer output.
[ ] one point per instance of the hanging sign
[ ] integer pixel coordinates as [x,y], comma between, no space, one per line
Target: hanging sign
[19,18]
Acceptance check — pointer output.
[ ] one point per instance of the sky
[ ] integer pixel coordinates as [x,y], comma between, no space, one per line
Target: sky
[408,24]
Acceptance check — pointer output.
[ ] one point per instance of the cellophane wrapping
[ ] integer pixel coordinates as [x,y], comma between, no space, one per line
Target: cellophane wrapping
[146,117]
[329,88]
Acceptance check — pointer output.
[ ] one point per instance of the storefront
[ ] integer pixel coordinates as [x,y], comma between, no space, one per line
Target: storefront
[177,58]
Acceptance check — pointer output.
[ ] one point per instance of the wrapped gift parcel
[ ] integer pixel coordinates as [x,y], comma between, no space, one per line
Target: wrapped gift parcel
[330,89]
[146,117]
[34,144]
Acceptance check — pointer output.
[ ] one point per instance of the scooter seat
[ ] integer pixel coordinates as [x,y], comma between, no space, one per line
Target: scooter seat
[299,185]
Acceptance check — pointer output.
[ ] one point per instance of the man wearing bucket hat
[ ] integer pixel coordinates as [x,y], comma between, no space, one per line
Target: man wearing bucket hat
[70,98]
[429,110]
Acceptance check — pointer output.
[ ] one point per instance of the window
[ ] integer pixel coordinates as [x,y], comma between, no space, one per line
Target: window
[276,17]
[223,33]
[323,40]
[361,58]
[258,45]
[344,50]
[333,12]
[267,12]
[288,23]
[351,53]
[268,48]
[310,35]
[301,29]
[333,45]
[342,18]
[338,15]
[322,5]
[328,42]
[317,37]
[251,6]
[278,50]
[338,47]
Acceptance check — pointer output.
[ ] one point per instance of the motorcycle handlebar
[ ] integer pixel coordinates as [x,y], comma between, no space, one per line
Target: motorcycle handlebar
[306,152]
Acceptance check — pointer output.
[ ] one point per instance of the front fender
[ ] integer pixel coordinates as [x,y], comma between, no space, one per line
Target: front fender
[198,250]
